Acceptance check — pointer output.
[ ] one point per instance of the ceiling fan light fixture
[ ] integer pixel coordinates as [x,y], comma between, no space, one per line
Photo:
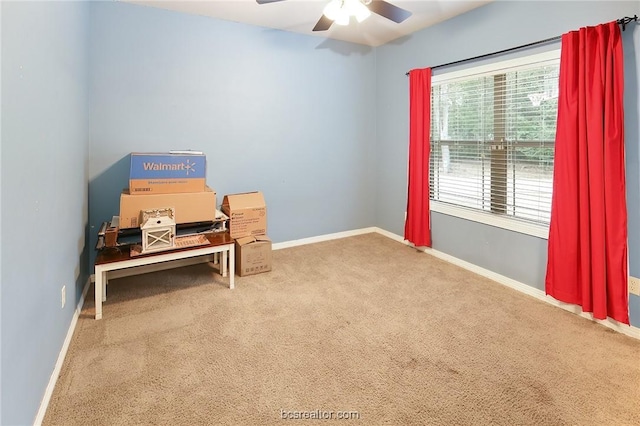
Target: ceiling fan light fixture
[342,19]
[340,11]
[333,9]
[357,9]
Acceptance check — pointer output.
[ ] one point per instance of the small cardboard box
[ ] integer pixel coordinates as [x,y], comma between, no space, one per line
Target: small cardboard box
[167,173]
[247,214]
[190,207]
[253,255]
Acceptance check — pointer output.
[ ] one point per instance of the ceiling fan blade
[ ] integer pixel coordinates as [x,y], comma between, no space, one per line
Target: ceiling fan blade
[389,11]
[323,24]
[267,1]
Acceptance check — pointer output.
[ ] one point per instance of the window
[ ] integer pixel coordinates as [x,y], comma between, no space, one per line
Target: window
[492,142]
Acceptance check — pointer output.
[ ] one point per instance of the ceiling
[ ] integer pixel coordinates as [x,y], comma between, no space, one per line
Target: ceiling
[300,16]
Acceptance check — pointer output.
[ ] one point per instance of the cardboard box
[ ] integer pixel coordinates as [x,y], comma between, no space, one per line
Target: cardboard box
[166,173]
[253,255]
[190,207]
[247,214]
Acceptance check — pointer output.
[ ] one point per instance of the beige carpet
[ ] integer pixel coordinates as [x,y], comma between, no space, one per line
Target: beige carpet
[362,325]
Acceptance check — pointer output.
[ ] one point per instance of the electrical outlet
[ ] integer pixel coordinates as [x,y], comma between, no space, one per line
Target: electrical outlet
[63,296]
[634,286]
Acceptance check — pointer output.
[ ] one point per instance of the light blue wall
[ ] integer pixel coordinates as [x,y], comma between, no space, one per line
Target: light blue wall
[495,27]
[290,115]
[44,192]
[319,126]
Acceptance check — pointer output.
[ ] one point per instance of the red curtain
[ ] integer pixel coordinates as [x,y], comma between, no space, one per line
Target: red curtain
[417,228]
[587,258]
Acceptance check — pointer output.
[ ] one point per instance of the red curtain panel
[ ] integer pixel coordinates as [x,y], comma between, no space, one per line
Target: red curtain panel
[417,228]
[587,257]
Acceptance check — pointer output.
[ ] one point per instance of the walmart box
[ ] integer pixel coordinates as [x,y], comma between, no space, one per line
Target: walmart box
[167,173]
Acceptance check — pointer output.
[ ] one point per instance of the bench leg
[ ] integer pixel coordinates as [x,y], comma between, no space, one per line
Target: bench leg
[104,286]
[223,264]
[99,287]
[232,265]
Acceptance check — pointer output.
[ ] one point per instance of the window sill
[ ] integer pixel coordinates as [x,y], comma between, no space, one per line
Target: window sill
[540,231]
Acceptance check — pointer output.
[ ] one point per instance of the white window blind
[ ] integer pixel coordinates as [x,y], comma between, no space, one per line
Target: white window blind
[492,137]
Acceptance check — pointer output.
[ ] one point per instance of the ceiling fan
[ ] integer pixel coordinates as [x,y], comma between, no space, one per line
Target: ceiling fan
[340,12]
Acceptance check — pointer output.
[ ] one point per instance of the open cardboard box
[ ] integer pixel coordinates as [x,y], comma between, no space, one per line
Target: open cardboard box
[247,214]
[253,255]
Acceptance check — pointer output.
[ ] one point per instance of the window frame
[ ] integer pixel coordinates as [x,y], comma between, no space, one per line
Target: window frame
[489,218]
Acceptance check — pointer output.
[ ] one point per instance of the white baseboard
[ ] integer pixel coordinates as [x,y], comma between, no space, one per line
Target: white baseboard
[44,404]
[516,285]
[320,238]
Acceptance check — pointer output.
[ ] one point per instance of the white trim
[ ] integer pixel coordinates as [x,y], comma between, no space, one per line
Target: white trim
[321,238]
[393,236]
[628,330]
[551,57]
[509,223]
[44,404]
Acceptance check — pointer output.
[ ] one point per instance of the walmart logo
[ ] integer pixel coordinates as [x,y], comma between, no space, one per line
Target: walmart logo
[187,167]
[158,166]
